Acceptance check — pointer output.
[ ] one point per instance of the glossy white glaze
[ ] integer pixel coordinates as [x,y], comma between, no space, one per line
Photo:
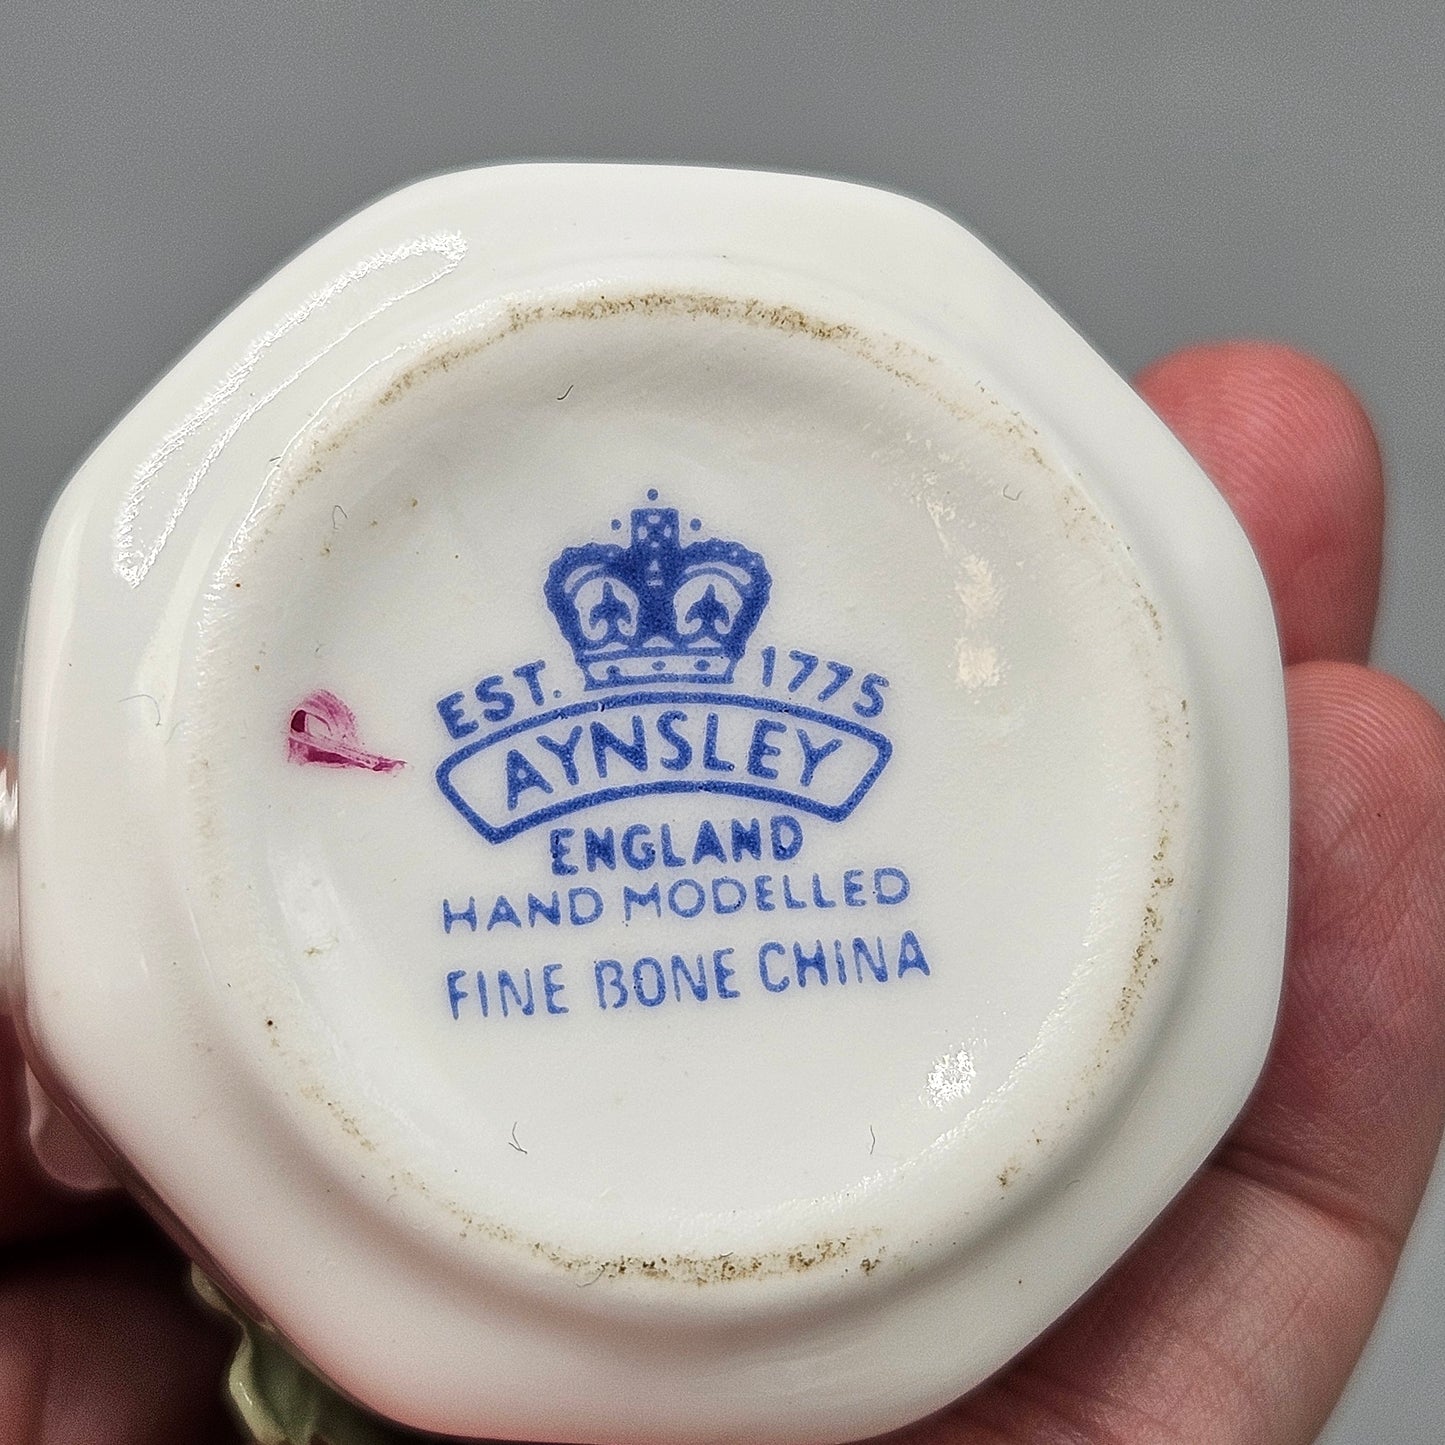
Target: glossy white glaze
[268,843]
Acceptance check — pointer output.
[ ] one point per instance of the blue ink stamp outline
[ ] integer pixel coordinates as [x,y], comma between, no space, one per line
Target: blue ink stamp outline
[590,708]
[640,620]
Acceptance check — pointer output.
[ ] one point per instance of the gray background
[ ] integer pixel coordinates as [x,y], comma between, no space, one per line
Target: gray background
[1264,169]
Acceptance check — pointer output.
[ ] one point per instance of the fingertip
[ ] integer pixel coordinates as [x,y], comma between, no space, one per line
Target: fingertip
[1355,1093]
[30,1206]
[1368,757]
[103,1342]
[1293,450]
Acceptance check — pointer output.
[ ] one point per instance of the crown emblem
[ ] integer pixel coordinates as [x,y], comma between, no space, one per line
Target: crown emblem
[657,610]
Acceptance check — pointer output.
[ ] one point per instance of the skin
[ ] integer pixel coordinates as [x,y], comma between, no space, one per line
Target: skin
[1239,1316]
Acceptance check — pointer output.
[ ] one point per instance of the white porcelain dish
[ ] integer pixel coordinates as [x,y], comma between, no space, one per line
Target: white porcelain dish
[651,807]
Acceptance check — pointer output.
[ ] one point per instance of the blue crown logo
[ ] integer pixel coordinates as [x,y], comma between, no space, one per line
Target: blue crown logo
[657,610]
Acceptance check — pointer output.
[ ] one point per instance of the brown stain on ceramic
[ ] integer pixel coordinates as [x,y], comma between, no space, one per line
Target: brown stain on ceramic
[680,1267]
[1084,526]
[349,1126]
[1081,523]
[691,1269]
[670,1267]
[892,358]
[1146,954]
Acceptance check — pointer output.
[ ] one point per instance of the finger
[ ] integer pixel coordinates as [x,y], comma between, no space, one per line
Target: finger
[1349,1114]
[29,1205]
[1242,1313]
[1291,448]
[102,1347]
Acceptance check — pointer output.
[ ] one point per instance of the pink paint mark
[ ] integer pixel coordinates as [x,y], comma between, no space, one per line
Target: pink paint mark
[323,730]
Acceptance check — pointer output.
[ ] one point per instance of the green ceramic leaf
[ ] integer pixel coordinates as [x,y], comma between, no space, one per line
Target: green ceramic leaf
[281,1402]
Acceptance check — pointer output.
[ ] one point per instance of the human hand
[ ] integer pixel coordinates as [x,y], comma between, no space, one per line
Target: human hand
[1239,1316]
